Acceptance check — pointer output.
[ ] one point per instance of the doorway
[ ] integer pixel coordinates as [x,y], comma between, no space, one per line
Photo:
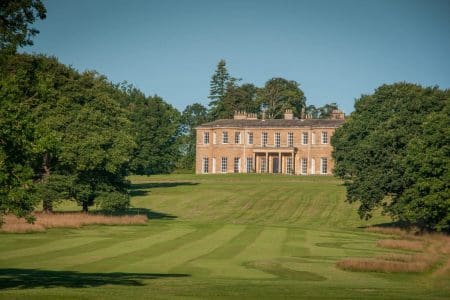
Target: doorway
[275,165]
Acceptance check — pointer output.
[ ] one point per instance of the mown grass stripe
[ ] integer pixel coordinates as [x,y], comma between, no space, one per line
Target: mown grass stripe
[122,263]
[236,245]
[267,245]
[59,244]
[188,252]
[120,248]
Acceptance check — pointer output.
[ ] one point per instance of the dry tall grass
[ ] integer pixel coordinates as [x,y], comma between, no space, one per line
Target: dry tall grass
[401,244]
[387,266]
[433,250]
[68,220]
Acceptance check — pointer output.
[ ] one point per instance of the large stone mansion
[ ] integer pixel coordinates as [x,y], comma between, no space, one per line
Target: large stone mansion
[246,144]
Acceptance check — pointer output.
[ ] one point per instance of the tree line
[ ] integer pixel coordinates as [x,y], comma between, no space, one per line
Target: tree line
[228,95]
[73,135]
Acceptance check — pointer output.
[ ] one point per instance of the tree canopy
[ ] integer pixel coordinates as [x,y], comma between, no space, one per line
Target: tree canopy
[393,153]
[16,16]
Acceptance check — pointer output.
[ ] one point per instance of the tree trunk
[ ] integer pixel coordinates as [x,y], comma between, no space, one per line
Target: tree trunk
[47,204]
[85,207]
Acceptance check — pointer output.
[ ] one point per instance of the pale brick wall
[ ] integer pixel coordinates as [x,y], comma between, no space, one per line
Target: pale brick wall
[313,152]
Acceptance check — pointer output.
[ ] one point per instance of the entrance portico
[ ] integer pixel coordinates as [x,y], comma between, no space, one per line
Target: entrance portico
[274,160]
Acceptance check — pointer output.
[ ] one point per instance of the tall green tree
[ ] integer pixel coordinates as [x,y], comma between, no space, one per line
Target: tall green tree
[279,94]
[192,116]
[16,16]
[156,127]
[373,153]
[78,142]
[218,87]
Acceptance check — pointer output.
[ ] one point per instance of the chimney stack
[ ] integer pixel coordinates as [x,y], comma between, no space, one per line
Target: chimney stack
[288,114]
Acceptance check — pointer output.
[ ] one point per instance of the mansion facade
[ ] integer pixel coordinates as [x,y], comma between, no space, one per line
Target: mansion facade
[246,144]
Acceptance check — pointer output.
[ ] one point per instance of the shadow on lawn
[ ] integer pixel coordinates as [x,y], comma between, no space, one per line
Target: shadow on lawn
[32,278]
[141,189]
[396,224]
[133,211]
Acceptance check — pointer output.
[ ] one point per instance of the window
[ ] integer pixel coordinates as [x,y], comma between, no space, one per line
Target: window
[289,167]
[225,137]
[237,165]
[277,139]
[263,167]
[237,137]
[324,165]
[290,139]
[305,138]
[224,165]
[206,138]
[250,138]
[205,165]
[324,137]
[214,138]
[304,166]
[249,165]
[264,139]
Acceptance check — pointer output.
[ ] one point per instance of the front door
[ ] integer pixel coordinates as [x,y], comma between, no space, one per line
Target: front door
[275,165]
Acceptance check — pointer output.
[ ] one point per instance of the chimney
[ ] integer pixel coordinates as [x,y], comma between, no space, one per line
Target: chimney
[337,115]
[240,115]
[251,116]
[302,116]
[288,114]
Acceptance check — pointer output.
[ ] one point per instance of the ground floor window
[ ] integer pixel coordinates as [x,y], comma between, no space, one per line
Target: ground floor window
[205,165]
[263,167]
[289,166]
[237,165]
[224,165]
[304,166]
[324,165]
[249,164]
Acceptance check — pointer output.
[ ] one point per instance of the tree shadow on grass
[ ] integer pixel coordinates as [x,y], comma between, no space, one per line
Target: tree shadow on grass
[141,189]
[394,224]
[33,278]
[133,211]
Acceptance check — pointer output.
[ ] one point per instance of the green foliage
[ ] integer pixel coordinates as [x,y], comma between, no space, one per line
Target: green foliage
[280,94]
[192,116]
[156,128]
[15,18]
[323,112]
[218,86]
[77,143]
[374,150]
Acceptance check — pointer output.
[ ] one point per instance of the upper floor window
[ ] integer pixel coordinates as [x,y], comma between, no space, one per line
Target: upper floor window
[324,165]
[206,138]
[290,139]
[250,138]
[225,137]
[237,137]
[324,137]
[305,138]
[277,139]
[264,139]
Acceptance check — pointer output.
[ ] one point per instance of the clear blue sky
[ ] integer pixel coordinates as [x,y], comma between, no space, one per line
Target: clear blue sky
[336,50]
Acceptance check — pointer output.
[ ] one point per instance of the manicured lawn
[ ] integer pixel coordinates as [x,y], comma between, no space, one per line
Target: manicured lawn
[216,236]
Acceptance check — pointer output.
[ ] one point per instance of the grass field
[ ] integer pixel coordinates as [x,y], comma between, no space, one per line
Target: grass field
[217,236]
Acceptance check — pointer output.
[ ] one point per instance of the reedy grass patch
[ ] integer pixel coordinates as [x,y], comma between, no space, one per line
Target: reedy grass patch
[67,220]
